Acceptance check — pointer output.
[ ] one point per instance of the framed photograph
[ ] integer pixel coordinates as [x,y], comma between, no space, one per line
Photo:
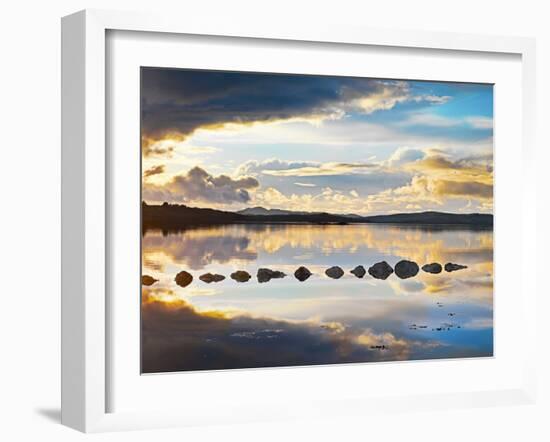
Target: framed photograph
[251,213]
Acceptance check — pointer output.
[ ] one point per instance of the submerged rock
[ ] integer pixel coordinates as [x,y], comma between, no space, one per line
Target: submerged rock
[264,275]
[380,270]
[302,273]
[334,272]
[183,278]
[211,277]
[452,267]
[241,276]
[358,271]
[406,269]
[434,267]
[148,280]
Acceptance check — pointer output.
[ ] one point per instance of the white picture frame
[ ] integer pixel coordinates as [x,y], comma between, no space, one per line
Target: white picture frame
[85,202]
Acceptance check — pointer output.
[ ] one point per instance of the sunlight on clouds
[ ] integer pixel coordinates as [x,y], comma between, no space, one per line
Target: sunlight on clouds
[323,169]
[390,94]
[383,100]
[437,177]
[405,171]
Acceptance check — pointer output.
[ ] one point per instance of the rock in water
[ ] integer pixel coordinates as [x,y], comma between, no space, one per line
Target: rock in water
[183,278]
[451,267]
[302,273]
[241,276]
[434,267]
[334,272]
[380,270]
[406,269]
[148,280]
[264,275]
[211,277]
[359,271]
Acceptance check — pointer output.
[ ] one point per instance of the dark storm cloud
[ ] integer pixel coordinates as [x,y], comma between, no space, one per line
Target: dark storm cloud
[177,102]
[198,185]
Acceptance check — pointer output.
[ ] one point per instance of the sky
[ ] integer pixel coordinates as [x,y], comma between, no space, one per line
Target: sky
[231,140]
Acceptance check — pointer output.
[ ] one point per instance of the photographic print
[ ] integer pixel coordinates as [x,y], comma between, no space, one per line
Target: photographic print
[296,220]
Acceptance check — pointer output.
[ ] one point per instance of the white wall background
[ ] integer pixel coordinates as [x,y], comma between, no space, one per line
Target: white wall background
[30,219]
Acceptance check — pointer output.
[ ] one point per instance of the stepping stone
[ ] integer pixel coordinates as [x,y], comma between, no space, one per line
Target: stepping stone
[358,271]
[406,269]
[183,278]
[334,272]
[451,267]
[434,267]
[265,275]
[380,270]
[302,273]
[241,276]
[148,280]
[211,277]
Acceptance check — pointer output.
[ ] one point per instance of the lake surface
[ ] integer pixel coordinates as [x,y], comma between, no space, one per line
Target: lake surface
[321,320]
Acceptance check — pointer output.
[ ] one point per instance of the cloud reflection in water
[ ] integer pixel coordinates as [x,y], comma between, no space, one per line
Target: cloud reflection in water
[321,321]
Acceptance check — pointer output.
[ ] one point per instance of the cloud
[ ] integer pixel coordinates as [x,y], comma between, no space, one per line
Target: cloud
[177,102]
[388,95]
[323,169]
[385,98]
[252,167]
[424,188]
[281,168]
[462,189]
[198,185]
[409,180]
[155,170]
[478,167]
[326,199]
[404,155]
[415,179]
[437,178]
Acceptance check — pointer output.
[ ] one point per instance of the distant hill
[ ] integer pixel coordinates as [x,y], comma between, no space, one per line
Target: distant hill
[179,216]
[262,211]
[479,219]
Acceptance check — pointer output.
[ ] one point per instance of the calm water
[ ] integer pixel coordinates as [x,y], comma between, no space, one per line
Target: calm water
[321,320]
